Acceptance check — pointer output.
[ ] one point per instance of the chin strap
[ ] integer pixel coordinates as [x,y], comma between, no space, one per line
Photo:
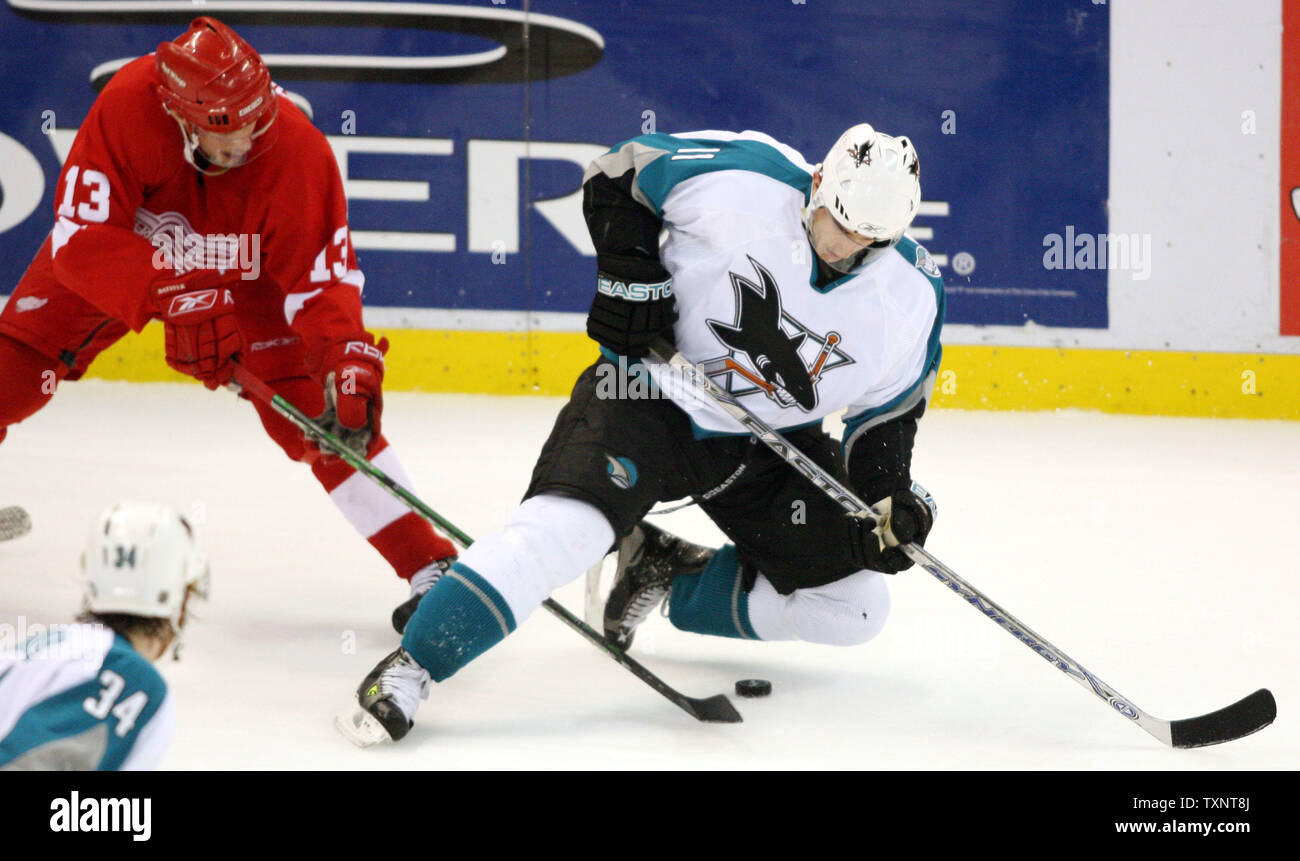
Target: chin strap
[828,272]
[839,267]
[190,147]
[814,203]
[825,268]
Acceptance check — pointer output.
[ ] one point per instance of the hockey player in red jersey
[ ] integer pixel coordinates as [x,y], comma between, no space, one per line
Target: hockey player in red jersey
[197,194]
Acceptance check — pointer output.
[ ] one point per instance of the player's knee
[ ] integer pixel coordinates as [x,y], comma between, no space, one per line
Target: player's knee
[549,541]
[303,393]
[28,380]
[848,612]
[562,536]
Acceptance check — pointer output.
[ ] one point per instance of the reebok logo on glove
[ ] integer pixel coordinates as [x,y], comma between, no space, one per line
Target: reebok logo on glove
[193,302]
[352,372]
[633,291]
[368,350]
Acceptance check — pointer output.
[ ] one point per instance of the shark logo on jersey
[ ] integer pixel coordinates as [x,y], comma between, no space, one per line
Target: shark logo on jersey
[925,262]
[778,365]
[621,471]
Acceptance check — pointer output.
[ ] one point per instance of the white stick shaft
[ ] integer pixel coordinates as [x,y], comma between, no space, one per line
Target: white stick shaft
[945,575]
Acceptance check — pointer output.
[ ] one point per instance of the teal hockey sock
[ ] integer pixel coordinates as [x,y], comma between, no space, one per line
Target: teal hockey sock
[461,618]
[712,601]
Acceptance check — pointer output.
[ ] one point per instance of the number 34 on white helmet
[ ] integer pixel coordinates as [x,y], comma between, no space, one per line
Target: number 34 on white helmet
[871,187]
[143,559]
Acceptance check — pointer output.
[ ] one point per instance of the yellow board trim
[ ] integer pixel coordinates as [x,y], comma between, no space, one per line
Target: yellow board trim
[1144,382]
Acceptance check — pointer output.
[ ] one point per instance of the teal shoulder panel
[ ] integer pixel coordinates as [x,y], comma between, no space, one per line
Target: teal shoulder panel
[684,158]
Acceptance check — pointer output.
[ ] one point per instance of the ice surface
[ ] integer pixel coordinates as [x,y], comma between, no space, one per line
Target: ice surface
[1161,553]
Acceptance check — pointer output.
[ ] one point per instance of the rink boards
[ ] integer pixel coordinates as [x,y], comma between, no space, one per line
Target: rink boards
[1150,382]
[1047,132]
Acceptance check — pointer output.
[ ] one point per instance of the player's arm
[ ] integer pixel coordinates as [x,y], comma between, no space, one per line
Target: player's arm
[634,302]
[151,740]
[97,253]
[308,247]
[131,700]
[878,454]
[99,256]
[626,201]
[878,443]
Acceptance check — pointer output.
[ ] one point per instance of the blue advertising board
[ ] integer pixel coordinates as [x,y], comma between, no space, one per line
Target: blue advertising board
[463,129]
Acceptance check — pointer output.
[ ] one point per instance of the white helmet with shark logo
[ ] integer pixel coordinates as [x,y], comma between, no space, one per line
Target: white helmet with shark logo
[871,185]
[143,559]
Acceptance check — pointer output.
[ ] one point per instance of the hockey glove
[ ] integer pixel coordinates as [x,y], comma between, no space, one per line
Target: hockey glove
[201,336]
[909,515]
[353,373]
[631,309]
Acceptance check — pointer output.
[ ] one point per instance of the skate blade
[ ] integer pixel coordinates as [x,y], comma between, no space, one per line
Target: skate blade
[594,603]
[359,727]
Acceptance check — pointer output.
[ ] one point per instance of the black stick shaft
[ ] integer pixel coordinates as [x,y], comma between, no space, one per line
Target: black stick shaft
[705,710]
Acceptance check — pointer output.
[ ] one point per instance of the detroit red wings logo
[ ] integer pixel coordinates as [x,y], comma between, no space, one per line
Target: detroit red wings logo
[786,359]
[179,248]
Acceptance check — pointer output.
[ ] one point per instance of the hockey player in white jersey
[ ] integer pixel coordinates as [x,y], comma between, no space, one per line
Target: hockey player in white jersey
[796,289]
[86,696]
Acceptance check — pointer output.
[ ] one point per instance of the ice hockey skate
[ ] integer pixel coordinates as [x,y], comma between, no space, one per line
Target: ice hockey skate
[648,561]
[421,582]
[387,700]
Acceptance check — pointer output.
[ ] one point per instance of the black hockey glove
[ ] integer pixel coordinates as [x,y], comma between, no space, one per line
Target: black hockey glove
[908,519]
[631,309]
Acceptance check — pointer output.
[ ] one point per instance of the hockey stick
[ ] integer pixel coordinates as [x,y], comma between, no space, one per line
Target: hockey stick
[714,709]
[1242,718]
[14,522]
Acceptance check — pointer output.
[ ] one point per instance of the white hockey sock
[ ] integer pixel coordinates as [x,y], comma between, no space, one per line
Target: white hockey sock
[844,613]
[549,541]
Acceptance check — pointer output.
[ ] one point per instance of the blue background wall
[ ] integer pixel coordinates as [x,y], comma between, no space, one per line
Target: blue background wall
[1026,82]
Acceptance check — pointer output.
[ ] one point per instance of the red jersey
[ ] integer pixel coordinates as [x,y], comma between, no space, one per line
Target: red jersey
[131,212]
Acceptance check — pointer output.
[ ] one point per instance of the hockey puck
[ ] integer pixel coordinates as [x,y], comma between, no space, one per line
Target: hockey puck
[753,687]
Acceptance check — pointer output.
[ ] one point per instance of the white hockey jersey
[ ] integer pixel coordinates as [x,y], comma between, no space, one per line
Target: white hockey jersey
[79,697]
[750,311]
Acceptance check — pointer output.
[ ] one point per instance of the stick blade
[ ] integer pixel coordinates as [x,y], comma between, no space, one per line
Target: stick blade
[1227,724]
[715,709]
[595,595]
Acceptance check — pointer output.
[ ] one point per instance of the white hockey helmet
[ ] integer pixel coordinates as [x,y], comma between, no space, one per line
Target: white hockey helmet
[871,186]
[143,559]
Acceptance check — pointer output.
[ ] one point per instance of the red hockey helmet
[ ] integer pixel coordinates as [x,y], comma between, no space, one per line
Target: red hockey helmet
[214,82]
